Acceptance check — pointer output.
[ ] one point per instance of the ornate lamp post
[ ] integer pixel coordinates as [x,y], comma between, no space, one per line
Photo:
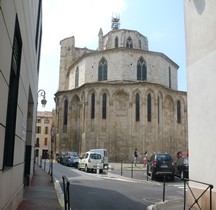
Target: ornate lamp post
[42,93]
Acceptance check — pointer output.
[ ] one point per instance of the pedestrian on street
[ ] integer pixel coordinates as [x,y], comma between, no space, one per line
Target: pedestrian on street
[145,159]
[135,156]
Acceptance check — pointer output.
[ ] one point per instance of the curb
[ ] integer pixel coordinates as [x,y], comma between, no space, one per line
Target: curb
[59,192]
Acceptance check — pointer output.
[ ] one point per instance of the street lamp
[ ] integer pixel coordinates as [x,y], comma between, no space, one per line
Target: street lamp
[42,93]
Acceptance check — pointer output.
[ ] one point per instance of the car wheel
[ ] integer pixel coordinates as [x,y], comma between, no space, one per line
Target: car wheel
[182,175]
[173,177]
[86,169]
[78,166]
[185,175]
[152,175]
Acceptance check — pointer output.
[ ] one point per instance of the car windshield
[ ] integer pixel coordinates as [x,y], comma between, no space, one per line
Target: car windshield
[164,157]
[74,154]
[95,156]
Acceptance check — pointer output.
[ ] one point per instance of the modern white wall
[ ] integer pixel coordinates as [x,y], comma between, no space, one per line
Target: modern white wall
[200,22]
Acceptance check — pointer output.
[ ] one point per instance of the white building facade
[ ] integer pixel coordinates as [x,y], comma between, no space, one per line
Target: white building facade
[119,97]
[20,41]
[200,22]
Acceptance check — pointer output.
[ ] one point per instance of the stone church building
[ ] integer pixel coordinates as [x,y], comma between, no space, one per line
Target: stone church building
[119,97]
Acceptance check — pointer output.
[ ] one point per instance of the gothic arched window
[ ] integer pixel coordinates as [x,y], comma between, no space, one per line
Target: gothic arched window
[116,42]
[137,107]
[65,116]
[141,69]
[129,42]
[178,111]
[149,107]
[104,106]
[77,77]
[102,70]
[93,106]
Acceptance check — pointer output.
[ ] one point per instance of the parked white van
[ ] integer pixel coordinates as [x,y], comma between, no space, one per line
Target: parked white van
[104,155]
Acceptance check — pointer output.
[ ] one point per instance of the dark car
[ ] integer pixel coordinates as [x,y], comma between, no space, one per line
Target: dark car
[160,165]
[70,159]
[60,157]
[181,167]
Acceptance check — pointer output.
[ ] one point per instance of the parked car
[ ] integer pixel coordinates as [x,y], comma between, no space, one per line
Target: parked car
[104,155]
[181,167]
[160,165]
[60,157]
[70,159]
[90,161]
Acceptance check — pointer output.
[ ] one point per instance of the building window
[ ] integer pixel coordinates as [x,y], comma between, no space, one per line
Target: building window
[46,121]
[12,97]
[46,130]
[102,70]
[129,42]
[37,143]
[38,129]
[104,106]
[38,120]
[38,24]
[65,112]
[140,46]
[178,111]
[65,119]
[170,77]
[93,106]
[77,77]
[45,141]
[149,107]
[137,107]
[116,42]
[38,35]
[37,153]
[141,69]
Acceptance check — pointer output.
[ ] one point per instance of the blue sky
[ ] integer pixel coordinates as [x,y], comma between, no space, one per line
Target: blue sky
[162,22]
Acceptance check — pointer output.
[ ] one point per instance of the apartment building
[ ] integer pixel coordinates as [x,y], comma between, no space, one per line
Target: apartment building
[20,43]
[45,120]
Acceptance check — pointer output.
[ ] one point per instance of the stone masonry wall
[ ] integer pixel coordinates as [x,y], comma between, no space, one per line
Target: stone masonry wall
[119,132]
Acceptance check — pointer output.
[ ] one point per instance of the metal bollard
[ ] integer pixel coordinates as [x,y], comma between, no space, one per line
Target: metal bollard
[98,168]
[164,188]
[40,162]
[109,170]
[44,164]
[132,169]
[121,168]
[66,190]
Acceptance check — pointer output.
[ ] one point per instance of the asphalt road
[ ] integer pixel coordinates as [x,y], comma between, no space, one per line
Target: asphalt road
[111,191]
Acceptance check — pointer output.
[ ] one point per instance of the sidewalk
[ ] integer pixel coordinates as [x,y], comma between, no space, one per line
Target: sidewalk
[40,194]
